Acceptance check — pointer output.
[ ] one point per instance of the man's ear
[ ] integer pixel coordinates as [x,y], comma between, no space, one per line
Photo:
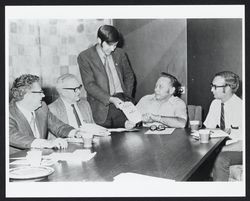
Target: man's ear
[99,40]
[172,90]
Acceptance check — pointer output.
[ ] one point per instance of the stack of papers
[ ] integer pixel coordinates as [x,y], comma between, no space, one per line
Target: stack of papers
[167,131]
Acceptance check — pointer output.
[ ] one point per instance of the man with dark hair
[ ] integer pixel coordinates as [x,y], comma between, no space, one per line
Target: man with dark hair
[30,119]
[225,112]
[164,106]
[107,77]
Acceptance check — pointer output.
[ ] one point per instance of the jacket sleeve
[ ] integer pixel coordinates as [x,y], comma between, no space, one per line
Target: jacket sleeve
[88,78]
[57,127]
[17,138]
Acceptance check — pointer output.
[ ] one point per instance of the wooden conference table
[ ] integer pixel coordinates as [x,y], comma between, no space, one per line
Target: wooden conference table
[176,156]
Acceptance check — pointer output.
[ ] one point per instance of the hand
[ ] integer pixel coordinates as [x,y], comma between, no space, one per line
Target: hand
[129,124]
[116,101]
[147,118]
[59,143]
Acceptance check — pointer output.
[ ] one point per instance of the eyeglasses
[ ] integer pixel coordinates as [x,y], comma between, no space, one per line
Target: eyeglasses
[38,92]
[75,89]
[157,128]
[217,86]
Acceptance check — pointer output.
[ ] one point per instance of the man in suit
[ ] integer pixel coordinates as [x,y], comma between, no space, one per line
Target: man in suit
[107,77]
[30,119]
[225,112]
[72,109]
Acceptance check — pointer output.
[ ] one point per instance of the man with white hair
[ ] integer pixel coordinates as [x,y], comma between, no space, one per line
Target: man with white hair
[71,108]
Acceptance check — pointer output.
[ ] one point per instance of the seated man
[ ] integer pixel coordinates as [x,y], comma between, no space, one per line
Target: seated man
[72,109]
[226,112]
[164,106]
[30,119]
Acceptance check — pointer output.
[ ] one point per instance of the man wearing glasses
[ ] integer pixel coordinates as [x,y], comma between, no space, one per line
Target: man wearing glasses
[225,112]
[30,119]
[107,77]
[71,108]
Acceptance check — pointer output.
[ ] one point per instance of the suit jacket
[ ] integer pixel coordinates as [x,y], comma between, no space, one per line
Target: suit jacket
[20,133]
[96,83]
[59,110]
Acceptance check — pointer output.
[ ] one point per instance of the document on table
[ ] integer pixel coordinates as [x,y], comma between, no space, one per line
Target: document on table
[167,131]
[77,155]
[134,177]
[214,133]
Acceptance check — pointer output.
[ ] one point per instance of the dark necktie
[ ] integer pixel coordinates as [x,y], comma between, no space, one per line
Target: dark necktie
[110,76]
[76,116]
[222,117]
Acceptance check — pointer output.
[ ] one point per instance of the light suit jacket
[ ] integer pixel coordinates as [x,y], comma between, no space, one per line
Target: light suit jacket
[20,133]
[96,83]
[59,110]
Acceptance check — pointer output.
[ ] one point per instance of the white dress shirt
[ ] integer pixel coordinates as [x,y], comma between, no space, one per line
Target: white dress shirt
[232,115]
[71,116]
[27,114]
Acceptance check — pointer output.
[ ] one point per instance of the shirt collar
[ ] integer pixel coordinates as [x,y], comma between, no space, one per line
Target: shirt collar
[101,54]
[170,100]
[25,112]
[230,100]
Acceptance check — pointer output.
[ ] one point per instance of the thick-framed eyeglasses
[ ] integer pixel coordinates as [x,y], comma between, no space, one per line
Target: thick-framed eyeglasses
[38,92]
[75,89]
[218,86]
[157,128]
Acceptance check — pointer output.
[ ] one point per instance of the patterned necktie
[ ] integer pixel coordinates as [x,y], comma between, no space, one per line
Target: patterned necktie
[110,76]
[222,117]
[33,126]
[76,116]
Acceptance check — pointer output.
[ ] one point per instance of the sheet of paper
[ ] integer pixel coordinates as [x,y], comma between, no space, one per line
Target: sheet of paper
[77,155]
[134,177]
[167,131]
[214,133]
[74,140]
[131,112]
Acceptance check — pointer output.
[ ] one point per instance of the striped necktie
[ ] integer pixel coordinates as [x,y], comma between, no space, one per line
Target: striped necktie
[222,117]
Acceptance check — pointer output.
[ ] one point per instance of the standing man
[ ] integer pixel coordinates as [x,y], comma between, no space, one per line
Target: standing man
[70,108]
[107,77]
[30,119]
[225,112]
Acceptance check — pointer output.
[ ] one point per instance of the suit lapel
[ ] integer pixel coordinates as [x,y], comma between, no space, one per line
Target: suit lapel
[62,111]
[97,60]
[23,119]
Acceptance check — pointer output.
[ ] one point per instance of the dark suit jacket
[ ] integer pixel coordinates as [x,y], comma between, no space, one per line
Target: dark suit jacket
[96,83]
[59,110]
[20,133]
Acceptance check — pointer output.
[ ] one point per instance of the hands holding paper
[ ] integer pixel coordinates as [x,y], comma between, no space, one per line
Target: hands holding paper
[116,101]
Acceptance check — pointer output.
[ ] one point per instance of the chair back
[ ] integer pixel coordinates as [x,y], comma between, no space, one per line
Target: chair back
[194,113]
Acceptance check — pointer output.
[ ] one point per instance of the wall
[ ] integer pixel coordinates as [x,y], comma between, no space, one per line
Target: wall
[213,45]
[154,46]
[49,48]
